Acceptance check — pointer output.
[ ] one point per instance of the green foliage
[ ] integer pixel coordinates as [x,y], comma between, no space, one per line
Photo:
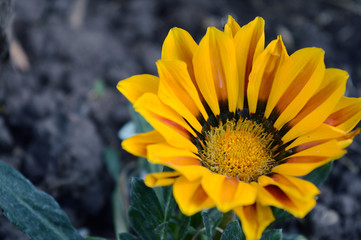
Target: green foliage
[127,236]
[145,213]
[95,238]
[233,231]
[112,162]
[319,175]
[293,237]
[207,225]
[157,217]
[211,219]
[280,214]
[272,234]
[32,211]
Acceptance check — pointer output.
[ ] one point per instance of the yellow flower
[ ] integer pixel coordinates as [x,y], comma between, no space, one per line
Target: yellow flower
[240,123]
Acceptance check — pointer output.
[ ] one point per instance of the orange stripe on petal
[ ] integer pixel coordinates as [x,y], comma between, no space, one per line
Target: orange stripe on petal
[263,72]
[179,45]
[295,83]
[323,133]
[171,156]
[190,196]
[215,70]
[300,166]
[177,90]
[313,159]
[347,139]
[228,192]
[319,106]
[282,196]
[296,187]
[325,149]
[164,119]
[309,156]
[137,145]
[249,43]
[254,218]
[346,114]
[161,179]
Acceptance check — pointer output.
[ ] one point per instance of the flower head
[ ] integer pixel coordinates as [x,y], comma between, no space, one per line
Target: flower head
[240,123]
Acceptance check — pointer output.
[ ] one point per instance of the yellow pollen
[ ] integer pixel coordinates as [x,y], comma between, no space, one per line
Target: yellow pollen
[238,149]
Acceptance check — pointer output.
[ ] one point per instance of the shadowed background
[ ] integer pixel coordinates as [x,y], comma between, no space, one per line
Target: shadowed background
[59,107]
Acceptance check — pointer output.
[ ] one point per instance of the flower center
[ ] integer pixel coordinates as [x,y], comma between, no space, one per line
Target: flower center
[239,149]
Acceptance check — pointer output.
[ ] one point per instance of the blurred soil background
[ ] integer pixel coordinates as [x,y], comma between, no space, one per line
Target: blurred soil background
[59,107]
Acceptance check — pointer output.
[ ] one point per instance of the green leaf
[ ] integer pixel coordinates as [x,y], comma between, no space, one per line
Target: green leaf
[319,175]
[112,162]
[280,214]
[142,226]
[207,225]
[127,236]
[183,227]
[290,236]
[119,210]
[95,238]
[161,231]
[32,211]
[145,213]
[233,231]
[272,234]
[215,217]
[168,200]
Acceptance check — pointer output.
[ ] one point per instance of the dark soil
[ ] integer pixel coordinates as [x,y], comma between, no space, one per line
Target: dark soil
[55,122]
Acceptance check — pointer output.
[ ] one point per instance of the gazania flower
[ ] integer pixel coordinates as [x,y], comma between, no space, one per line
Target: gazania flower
[240,123]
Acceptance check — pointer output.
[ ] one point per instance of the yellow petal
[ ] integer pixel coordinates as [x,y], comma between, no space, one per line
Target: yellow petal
[320,106]
[254,218]
[181,160]
[294,187]
[303,162]
[296,81]
[177,90]
[228,192]
[347,139]
[232,27]
[263,72]
[161,179]
[346,114]
[164,119]
[134,87]
[323,132]
[249,43]
[283,196]
[215,70]
[171,156]
[190,196]
[179,45]
[137,145]
[301,166]
[326,149]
